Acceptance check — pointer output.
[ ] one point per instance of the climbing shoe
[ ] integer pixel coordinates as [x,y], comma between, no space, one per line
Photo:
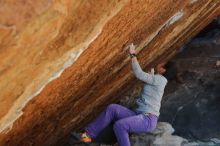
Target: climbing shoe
[85,138]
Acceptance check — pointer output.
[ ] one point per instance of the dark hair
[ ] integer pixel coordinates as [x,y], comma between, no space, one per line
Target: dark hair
[173,72]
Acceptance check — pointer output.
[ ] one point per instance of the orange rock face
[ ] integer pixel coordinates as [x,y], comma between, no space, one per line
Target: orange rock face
[63,60]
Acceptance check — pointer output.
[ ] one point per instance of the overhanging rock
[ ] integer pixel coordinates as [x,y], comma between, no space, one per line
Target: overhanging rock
[63,60]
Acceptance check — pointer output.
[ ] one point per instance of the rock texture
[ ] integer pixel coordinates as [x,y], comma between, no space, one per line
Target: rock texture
[63,60]
[161,136]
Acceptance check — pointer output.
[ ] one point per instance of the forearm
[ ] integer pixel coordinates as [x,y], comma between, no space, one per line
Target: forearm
[136,66]
[139,73]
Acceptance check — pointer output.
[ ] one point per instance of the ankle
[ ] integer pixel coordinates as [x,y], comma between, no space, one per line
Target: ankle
[85,137]
[88,135]
[85,134]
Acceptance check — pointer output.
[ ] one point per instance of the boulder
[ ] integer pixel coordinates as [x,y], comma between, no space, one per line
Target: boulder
[161,136]
[62,61]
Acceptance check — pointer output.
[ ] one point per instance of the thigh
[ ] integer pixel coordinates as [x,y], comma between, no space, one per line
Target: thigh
[120,111]
[136,124]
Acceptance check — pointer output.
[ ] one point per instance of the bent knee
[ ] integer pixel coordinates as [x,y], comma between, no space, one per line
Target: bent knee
[119,125]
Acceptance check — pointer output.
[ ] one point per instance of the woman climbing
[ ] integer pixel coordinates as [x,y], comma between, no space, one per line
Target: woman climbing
[143,118]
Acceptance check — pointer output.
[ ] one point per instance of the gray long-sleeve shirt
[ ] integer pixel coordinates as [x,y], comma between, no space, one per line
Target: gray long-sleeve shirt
[149,101]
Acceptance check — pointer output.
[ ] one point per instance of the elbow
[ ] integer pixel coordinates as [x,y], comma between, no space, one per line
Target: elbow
[138,75]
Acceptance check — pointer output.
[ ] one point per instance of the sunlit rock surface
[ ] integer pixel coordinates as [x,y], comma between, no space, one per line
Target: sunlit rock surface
[62,61]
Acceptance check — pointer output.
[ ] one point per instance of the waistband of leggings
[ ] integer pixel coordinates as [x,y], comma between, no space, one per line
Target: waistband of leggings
[149,114]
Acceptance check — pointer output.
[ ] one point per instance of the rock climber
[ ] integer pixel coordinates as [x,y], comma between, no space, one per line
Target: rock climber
[144,118]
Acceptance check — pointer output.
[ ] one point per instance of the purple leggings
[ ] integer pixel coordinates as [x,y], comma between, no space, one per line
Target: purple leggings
[126,121]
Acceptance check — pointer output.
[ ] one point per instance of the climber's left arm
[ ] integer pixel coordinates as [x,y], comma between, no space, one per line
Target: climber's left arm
[138,72]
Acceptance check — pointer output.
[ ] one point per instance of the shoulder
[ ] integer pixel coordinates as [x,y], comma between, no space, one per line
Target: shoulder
[160,79]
